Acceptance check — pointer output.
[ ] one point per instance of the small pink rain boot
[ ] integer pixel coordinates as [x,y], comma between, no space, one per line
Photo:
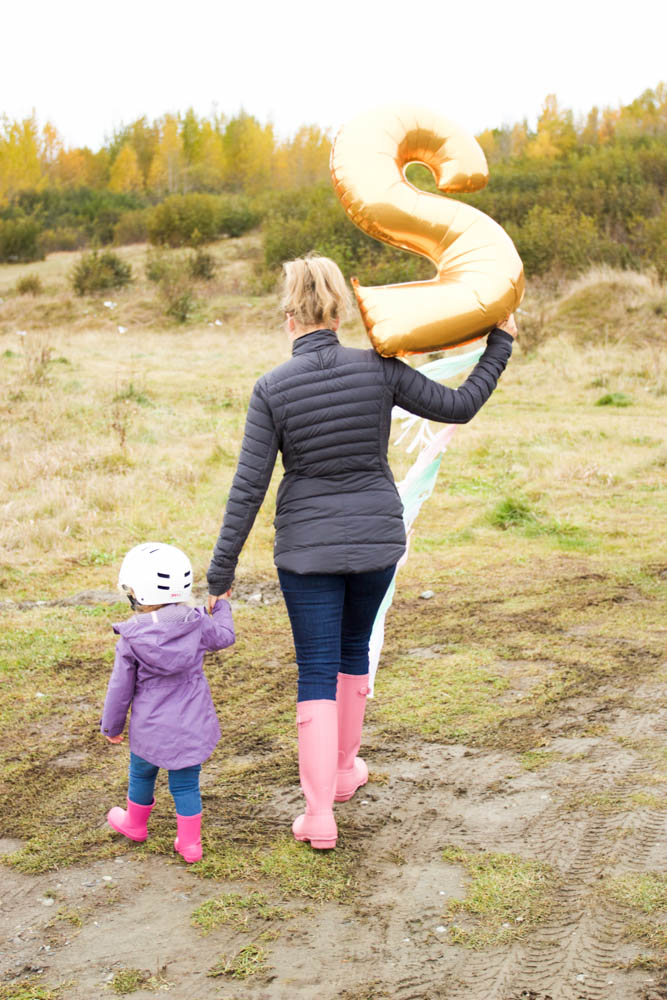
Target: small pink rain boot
[317,727]
[188,841]
[131,822]
[351,704]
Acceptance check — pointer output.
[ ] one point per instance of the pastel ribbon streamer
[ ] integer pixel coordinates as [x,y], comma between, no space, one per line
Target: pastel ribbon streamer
[418,483]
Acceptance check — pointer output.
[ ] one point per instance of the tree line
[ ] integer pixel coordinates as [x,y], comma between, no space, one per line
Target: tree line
[570,192]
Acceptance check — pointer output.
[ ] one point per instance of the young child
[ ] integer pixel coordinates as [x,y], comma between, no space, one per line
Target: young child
[158,670]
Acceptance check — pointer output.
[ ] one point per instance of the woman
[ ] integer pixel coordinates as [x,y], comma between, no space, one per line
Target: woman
[339,524]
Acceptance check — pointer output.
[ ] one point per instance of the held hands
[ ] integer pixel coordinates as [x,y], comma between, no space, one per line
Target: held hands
[115,739]
[509,326]
[212,600]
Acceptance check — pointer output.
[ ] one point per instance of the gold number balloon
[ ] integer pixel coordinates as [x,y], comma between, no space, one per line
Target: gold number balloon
[479,277]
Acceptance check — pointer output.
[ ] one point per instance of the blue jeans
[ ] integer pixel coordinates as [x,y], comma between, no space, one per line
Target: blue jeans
[183,785]
[332,619]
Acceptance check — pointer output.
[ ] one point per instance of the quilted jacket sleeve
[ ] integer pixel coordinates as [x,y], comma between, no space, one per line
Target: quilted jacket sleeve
[251,480]
[421,395]
[120,690]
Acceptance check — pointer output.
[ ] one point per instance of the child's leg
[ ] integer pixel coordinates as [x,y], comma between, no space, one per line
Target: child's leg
[131,822]
[184,786]
[142,780]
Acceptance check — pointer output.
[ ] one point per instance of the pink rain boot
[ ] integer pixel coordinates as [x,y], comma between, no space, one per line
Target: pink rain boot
[188,841]
[131,822]
[317,726]
[351,704]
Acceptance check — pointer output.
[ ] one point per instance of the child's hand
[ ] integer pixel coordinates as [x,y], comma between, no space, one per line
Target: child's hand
[213,600]
[115,739]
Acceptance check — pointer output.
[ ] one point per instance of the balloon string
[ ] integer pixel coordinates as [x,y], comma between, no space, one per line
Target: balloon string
[417,485]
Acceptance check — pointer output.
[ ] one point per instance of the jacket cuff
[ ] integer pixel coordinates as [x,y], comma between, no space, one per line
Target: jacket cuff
[499,334]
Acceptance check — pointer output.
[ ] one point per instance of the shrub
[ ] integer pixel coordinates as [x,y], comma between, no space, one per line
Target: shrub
[173,275]
[564,239]
[236,215]
[29,284]
[19,241]
[132,227]
[98,272]
[314,219]
[194,219]
[63,238]
[202,265]
[184,220]
[156,265]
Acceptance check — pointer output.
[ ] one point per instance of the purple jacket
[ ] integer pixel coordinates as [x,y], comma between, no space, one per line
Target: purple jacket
[158,670]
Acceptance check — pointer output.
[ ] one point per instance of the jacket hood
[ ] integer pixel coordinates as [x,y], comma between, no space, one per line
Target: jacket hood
[167,646]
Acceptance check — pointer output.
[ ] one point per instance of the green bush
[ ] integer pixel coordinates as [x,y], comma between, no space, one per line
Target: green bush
[156,265]
[19,241]
[237,215]
[194,219]
[62,238]
[132,227]
[99,272]
[202,265]
[564,240]
[314,220]
[184,220]
[173,275]
[29,284]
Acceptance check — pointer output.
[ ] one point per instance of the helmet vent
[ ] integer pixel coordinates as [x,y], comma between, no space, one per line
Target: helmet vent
[188,584]
[187,573]
[163,576]
[161,586]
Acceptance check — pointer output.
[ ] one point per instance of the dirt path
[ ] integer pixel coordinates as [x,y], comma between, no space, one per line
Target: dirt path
[586,811]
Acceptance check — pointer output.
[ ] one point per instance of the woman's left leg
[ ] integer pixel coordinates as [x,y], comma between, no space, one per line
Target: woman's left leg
[184,787]
[363,595]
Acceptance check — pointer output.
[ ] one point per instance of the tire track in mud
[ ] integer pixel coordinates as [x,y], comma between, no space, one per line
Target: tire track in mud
[574,954]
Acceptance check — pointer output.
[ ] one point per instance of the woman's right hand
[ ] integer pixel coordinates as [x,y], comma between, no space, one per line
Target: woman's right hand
[509,326]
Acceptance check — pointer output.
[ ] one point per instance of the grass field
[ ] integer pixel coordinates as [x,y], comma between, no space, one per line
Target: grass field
[534,675]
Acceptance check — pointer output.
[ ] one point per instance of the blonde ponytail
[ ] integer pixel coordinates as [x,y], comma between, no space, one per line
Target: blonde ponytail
[314,291]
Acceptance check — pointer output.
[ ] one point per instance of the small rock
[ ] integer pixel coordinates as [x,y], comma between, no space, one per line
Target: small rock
[581,977]
[218,322]
[426,595]
[109,304]
[48,901]
[254,598]
[122,329]
[107,878]
[440,930]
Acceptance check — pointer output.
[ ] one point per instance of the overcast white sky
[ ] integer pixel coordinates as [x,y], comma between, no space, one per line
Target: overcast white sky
[89,66]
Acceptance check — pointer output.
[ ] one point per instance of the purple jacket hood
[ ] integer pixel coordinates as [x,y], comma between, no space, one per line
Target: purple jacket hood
[166,647]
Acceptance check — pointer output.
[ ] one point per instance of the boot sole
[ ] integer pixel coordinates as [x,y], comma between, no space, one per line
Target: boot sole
[319,845]
[137,840]
[346,796]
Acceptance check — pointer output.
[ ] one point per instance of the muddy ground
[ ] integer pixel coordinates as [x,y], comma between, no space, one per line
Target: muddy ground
[593,810]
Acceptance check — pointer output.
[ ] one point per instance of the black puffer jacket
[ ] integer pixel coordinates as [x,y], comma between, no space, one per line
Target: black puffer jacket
[328,410]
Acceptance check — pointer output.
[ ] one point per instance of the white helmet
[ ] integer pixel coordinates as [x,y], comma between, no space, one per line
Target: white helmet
[157,573]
